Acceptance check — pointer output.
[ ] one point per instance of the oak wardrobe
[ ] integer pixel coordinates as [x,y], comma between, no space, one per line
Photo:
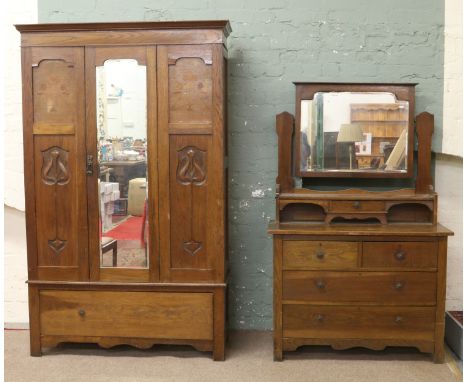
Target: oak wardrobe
[125,178]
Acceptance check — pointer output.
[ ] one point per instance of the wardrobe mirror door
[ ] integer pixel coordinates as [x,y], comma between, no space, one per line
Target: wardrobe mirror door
[121,107]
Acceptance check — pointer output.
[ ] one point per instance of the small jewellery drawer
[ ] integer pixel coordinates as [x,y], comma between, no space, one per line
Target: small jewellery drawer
[127,314]
[357,206]
[358,322]
[412,254]
[319,254]
[406,288]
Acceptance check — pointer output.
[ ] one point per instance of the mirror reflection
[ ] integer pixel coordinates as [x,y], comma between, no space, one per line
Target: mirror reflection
[354,131]
[122,153]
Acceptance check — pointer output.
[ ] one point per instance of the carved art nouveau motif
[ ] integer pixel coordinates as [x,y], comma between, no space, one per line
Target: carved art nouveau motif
[192,247]
[57,245]
[55,166]
[191,167]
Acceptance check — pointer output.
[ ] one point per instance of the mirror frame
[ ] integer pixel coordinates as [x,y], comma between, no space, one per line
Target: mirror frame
[307,90]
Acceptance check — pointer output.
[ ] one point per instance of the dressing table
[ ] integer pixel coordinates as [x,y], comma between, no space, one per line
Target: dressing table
[359,258]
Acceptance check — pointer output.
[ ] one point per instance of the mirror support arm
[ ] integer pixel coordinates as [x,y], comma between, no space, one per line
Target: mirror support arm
[285,131]
[424,129]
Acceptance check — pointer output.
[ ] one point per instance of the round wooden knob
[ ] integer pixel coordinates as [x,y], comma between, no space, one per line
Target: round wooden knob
[81,312]
[400,255]
[320,284]
[399,285]
[320,254]
[319,317]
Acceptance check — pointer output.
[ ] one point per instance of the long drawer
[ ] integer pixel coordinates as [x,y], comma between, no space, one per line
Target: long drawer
[358,322]
[405,288]
[127,314]
[411,254]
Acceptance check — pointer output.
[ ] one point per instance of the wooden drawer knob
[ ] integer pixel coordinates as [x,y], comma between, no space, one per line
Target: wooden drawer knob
[400,255]
[319,317]
[320,254]
[81,313]
[398,319]
[357,205]
[399,285]
[320,284]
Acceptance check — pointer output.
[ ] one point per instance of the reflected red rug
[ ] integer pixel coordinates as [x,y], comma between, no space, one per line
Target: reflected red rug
[130,229]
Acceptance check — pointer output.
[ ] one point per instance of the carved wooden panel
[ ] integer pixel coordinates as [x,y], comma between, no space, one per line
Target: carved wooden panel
[189,187]
[55,201]
[190,85]
[58,157]
[54,95]
[191,166]
[191,172]
[55,166]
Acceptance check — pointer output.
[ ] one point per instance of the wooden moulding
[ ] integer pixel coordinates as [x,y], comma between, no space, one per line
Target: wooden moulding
[376,231]
[140,343]
[149,25]
[125,33]
[291,344]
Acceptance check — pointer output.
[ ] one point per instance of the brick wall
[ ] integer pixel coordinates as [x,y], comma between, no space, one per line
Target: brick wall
[16,296]
[275,42]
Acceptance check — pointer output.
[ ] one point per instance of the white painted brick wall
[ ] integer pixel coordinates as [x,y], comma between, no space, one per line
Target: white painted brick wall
[449,186]
[16,298]
[449,171]
[16,271]
[17,12]
[452,142]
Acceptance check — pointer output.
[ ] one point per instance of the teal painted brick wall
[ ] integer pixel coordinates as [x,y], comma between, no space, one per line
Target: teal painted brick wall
[273,43]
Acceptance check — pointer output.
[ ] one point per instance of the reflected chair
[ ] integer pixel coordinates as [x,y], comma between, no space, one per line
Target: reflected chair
[107,244]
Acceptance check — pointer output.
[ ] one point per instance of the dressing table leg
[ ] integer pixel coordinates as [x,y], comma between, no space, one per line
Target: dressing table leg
[277,299]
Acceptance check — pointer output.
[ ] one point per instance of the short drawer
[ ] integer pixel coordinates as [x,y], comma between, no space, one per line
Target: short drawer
[358,322]
[411,254]
[405,288]
[127,314]
[319,254]
[357,206]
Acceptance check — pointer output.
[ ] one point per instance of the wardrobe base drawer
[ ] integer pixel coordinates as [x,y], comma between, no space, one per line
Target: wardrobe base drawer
[126,314]
[358,322]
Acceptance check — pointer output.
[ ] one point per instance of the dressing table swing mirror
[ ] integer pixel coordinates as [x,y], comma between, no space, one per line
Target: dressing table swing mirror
[359,258]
